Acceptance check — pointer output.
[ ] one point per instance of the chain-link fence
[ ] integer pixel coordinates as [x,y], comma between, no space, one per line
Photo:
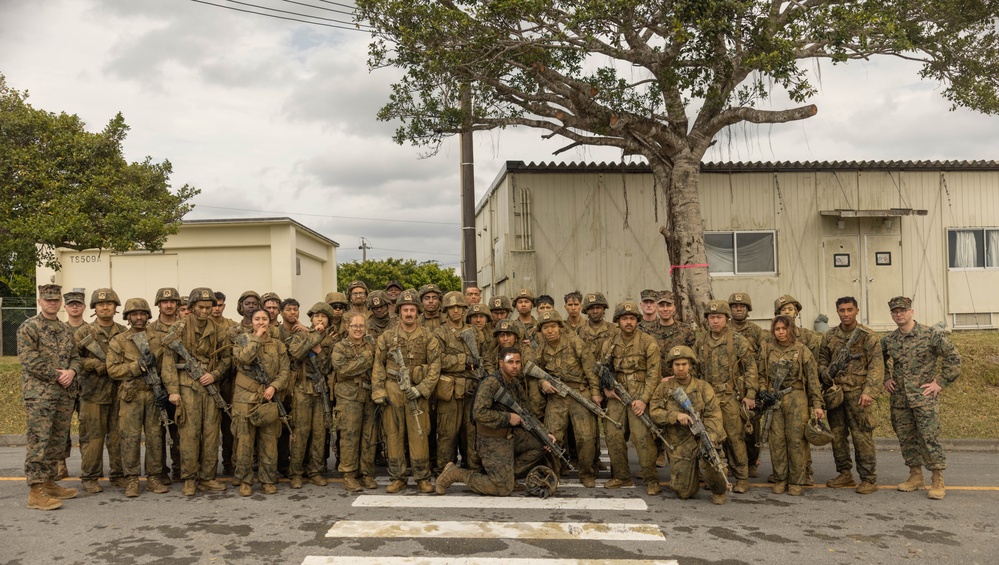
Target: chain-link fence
[13,311]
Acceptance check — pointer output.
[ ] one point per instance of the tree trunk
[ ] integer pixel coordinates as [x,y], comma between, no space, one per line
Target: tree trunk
[685,234]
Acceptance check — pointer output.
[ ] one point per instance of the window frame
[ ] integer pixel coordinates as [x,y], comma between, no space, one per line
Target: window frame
[984,231]
[735,253]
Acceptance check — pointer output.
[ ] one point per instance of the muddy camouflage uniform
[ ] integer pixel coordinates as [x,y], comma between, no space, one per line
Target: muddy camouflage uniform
[98,405]
[668,337]
[251,442]
[915,418]
[355,410]
[43,346]
[455,395]
[308,451]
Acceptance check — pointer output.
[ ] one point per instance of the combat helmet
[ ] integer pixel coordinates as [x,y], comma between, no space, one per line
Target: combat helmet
[817,432]
[136,305]
[166,293]
[104,295]
[409,296]
[246,294]
[500,302]
[202,294]
[541,481]
[785,300]
[336,298]
[551,316]
[626,308]
[681,352]
[377,299]
[321,308]
[454,298]
[428,288]
[475,309]
[741,298]
[508,326]
[526,294]
[594,299]
[357,284]
[718,307]
[267,296]
[833,397]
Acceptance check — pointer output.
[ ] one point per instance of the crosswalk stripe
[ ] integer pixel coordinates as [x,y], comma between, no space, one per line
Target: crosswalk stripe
[495,530]
[529,503]
[358,560]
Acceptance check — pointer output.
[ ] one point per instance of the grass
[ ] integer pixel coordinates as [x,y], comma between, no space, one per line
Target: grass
[969,407]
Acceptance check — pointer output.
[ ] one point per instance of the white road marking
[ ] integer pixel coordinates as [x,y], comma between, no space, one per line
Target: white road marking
[495,530]
[491,502]
[357,560]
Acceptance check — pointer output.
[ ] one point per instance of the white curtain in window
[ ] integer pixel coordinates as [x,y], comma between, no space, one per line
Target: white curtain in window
[992,248]
[965,251]
[755,252]
[721,258]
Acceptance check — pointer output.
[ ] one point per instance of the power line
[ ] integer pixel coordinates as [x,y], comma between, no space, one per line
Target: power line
[280,17]
[288,12]
[320,7]
[338,4]
[327,215]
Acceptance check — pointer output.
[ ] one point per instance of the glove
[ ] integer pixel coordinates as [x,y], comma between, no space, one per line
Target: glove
[163,400]
[413,393]
[149,359]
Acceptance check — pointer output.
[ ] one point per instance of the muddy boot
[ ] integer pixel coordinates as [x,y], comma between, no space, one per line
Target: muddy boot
[754,471]
[866,487]
[91,486]
[153,484]
[211,485]
[653,488]
[350,483]
[38,500]
[843,480]
[779,487]
[915,480]
[190,487]
[296,482]
[741,486]
[245,489]
[56,491]
[936,485]
[132,487]
[397,485]
[719,498]
[451,473]
[424,486]
[318,480]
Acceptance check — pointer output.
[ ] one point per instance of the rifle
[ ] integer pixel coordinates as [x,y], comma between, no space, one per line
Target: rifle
[531,424]
[322,388]
[708,450]
[151,377]
[258,374]
[194,368]
[767,402]
[609,382]
[841,360]
[468,336]
[90,344]
[405,385]
[532,370]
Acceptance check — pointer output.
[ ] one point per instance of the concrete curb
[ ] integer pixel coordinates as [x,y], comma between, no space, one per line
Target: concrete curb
[882,443]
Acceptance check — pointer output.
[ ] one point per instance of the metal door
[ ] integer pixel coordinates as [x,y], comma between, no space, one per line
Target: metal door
[882,279]
[841,265]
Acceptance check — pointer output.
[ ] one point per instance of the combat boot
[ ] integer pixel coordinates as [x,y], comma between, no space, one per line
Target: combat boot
[741,486]
[61,470]
[318,480]
[779,487]
[212,485]
[450,474]
[38,500]
[719,498]
[754,471]
[120,482]
[866,487]
[190,487]
[350,483]
[268,488]
[57,491]
[154,485]
[915,480]
[296,482]
[165,478]
[397,485]
[588,482]
[843,480]
[618,483]
[661,459]
[425,486]
[91,486]
[368,482]
[245,489]
[132,487]
[652,488]
[936,485]
[795,490]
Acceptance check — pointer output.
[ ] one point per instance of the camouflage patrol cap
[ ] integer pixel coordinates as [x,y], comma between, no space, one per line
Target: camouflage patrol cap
[665,296]
[428,288]
[594,299]
[524,294]
[627,308]
[136,305]
[50,292]
[75,295]
[649,294]
[336,298]
[201,294]
[321,308]
[455,298]
[396,284]
[183,300]
[409,296]
[104,295]
[681,352]
[507,326]
[357,284]
[741,298]
[267,296]
[476,309]
[550,316]
[718,307]
[783,301]
[166,293]
[500,302]
[902,302]
[246,294]
[378,299]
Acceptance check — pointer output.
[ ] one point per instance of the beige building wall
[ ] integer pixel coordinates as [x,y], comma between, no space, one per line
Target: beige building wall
[232,256]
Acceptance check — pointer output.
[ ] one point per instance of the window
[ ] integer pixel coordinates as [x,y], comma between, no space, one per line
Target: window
[973,248]
[741,252]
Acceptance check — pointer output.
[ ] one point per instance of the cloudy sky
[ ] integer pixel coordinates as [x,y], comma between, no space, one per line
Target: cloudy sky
[276,118]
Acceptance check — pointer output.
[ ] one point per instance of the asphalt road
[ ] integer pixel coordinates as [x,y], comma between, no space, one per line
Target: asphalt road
[577,525]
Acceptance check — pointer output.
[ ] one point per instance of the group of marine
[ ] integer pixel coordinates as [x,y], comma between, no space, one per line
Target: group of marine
[425,379]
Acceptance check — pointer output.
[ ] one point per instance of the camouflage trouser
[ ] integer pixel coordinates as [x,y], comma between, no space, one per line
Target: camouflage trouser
[753,452]
[309,423]
[253,442]
[686,466]
[226,388]
[617,446]
[454,422]
[399,425]
[355,420]
[48,423]
[503,459]
[69,438]
[99,427]
[558,412]
[788,448]
[917,426]
[849,420]
[175,437]
[135,416]
[735,430]
[199,435]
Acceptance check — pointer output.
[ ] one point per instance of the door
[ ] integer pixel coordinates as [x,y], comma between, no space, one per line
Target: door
[882,278]
[841,266]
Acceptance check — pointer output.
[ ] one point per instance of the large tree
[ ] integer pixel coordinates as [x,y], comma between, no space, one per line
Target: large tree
[657,78]
[63,186]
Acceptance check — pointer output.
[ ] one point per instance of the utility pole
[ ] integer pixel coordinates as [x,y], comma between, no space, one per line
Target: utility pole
[469,266]
[364,247]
